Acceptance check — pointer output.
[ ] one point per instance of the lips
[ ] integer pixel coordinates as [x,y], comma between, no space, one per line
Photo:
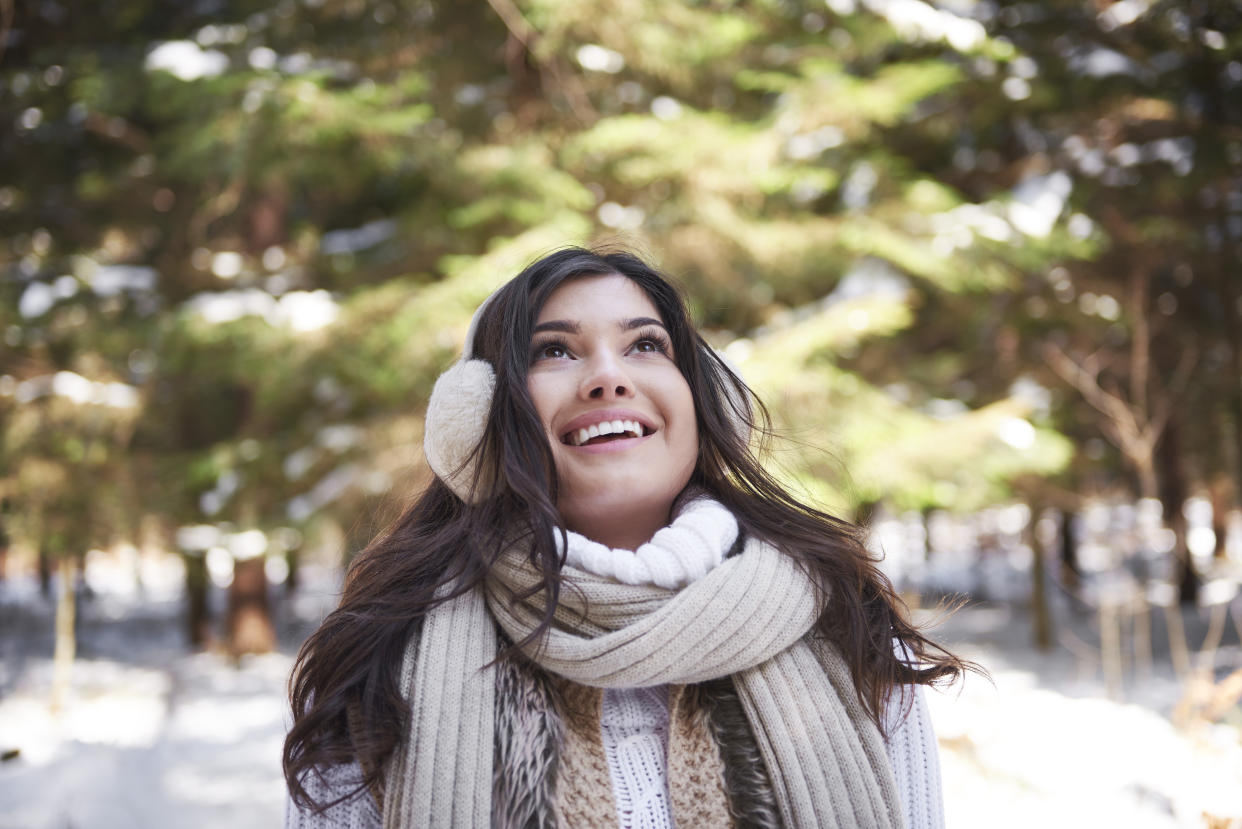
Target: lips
[606,425]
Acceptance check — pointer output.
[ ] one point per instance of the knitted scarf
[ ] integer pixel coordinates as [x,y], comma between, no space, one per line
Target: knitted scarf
[749,618]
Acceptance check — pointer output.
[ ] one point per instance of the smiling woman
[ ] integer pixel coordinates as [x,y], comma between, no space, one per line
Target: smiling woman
[603,611]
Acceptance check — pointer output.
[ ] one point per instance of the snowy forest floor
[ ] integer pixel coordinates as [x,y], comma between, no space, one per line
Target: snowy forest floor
[155,736]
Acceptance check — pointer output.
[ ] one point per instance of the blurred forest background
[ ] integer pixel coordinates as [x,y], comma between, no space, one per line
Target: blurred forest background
[985,252]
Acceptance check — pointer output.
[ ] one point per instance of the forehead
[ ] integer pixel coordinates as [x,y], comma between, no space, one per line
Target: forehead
[611,296]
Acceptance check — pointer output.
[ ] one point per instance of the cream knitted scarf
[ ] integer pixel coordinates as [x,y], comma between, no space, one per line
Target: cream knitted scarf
[749,617]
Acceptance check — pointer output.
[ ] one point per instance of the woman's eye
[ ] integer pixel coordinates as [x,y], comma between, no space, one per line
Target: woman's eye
[553,351]
[650,345]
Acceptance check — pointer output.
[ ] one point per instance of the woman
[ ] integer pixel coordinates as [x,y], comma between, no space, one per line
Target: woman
[603,611]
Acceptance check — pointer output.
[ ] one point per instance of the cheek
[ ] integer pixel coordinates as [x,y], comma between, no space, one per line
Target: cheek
[689,432]
[542,395]
[692,445]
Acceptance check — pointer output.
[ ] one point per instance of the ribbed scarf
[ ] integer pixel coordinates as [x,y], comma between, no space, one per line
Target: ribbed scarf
[748,618]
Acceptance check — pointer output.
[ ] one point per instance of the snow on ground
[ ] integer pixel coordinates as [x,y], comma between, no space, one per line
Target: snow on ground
[194,744]
[153,736]
[1043,746]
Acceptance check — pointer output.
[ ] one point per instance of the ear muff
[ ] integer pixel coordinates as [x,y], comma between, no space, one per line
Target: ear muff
[456,420]
[457,414]
[455,424]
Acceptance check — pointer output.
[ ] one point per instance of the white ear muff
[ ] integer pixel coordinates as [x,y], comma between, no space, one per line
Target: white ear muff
[455,424]
[456,421]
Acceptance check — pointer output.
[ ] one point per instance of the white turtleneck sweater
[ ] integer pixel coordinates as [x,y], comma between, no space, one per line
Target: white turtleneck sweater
[635,721]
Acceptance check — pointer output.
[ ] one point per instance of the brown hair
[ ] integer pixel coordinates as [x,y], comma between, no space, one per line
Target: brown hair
[346,703]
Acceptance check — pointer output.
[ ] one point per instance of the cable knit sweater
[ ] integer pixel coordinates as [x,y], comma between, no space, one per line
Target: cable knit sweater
[633,723]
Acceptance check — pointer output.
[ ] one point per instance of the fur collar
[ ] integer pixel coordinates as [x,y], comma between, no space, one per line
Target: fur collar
[531,731]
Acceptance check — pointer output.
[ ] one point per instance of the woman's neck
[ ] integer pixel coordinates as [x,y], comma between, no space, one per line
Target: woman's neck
[620,531]
[622,535]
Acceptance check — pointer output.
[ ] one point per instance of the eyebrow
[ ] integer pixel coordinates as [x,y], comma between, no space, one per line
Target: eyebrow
[567,327]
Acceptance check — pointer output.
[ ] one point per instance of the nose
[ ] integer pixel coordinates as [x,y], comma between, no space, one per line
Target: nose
[606,379]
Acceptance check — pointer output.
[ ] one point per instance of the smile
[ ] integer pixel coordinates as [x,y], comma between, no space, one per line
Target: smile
[605,431]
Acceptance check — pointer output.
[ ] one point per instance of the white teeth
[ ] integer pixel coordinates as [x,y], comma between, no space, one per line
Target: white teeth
[607,427]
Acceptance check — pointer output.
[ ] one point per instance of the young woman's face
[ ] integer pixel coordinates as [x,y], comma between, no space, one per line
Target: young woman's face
[617,410]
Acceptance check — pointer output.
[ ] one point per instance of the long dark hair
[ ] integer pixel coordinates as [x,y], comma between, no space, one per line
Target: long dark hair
[346,703]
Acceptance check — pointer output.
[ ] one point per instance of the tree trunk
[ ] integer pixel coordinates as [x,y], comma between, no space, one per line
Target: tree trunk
[1070,572]
[66,639]
[1041,614]
[1149,479]
[45,573]
[1221,493]
[292,559]
[5,506]
[198,616]
[1232,295]
[249,621]
[1172,489]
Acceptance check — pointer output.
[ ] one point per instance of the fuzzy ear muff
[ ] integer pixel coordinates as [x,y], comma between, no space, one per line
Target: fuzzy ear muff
[455,424]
